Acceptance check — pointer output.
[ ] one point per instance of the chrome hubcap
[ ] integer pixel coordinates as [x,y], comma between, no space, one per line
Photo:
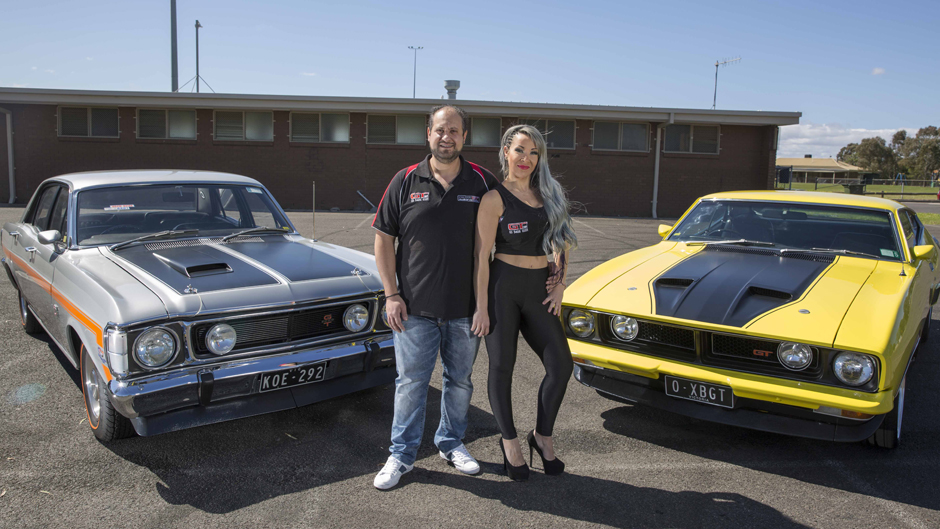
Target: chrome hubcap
[92,392]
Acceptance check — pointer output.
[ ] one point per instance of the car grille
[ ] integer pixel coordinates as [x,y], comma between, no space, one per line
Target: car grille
[755,355]
[666,335]
[281,328]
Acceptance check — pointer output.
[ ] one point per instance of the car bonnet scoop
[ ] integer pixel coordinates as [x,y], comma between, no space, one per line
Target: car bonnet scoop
[195,265]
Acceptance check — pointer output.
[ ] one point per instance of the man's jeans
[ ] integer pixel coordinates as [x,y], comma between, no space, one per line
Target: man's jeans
[415,356]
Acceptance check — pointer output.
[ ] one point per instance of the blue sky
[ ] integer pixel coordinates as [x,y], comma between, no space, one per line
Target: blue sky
[853,68]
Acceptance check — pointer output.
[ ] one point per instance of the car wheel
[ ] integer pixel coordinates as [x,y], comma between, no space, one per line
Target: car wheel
[106,423]
[888,435]
[29,321]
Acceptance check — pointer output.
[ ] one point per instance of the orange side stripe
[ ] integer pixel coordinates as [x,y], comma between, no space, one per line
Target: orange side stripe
[66,304]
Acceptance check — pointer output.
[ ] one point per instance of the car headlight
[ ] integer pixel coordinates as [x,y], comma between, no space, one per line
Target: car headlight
[155,347]
[385,317]
[581,323]
[795,356]
[854,369]
[356,318]
[624,327]
[221,339]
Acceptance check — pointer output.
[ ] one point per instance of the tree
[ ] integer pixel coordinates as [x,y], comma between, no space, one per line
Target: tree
[897,146]
[871,154]
[848,154]
[922,152]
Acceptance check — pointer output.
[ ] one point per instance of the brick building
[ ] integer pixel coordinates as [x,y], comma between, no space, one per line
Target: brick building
[606,156]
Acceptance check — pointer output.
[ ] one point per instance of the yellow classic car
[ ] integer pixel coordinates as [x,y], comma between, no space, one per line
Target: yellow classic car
[783,311]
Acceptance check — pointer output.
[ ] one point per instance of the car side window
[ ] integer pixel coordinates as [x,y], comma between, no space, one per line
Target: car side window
[43,211]
[919,232]
[58,219]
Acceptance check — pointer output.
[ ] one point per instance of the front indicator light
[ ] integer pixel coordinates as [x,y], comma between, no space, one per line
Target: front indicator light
[853,369]
[848,414]
[624,327]
[581,323]
[116,345]
[795,356]
[155,348]
[356,318]
[221,339]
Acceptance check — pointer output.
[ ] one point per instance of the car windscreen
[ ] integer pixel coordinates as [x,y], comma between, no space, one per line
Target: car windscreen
[115,214]
[789,225]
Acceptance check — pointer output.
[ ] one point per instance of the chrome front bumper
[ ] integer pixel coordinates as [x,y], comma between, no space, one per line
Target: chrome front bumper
[352,365]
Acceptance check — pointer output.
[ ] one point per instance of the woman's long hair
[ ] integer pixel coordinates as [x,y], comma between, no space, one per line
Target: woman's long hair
[559,236]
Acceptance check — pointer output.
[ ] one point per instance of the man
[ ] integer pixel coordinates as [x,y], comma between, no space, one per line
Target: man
[431,208]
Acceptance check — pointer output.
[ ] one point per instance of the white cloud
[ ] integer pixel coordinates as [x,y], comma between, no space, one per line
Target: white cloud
[308,74]
[824,141]
[19,86]
[878,71]
[49,71]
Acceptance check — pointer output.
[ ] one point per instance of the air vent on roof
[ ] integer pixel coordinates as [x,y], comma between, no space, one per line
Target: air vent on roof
[771,293]
[674,282]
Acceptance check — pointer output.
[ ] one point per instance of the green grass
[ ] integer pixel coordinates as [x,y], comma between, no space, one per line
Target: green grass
[890,191]
[929,218]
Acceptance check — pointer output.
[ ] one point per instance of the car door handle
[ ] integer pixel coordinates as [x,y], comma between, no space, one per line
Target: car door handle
[14,234]
[30,249]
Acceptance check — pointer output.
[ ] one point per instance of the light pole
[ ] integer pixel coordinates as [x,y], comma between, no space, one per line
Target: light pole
[198,25]
[415,81]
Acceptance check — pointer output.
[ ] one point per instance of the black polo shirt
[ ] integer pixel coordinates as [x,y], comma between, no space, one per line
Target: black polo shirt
[435,230]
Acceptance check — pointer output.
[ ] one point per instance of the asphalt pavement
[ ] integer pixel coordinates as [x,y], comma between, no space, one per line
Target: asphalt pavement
[627,466]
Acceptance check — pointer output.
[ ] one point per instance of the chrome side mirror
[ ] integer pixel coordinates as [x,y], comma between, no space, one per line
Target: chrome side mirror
[664,230]
[49,236]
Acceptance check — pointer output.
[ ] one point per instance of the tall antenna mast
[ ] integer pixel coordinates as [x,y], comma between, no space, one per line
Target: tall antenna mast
[717,64]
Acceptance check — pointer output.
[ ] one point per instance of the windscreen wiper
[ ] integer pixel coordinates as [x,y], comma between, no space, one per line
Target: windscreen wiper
[254,230]
[742,242]
[838,251]
[151,236]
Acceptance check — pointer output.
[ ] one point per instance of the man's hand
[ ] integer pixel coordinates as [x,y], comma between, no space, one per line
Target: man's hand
[481,323]
[397,312]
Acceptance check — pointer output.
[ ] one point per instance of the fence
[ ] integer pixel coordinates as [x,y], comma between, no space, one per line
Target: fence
[892,189]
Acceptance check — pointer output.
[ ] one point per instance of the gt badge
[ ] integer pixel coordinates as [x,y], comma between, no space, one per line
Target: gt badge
[518,227]
[420,197]
[762,354]
[327,320]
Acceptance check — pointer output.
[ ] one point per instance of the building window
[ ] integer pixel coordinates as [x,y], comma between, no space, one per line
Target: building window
[307,127]
[244,126]
[405,129]
[557,134]
[88,122]
[702,139]
[612,136]
[484,132]
[166,124]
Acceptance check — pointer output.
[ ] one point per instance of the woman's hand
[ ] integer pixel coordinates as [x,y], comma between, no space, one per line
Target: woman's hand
[554,299]
[481,323]
[397,312]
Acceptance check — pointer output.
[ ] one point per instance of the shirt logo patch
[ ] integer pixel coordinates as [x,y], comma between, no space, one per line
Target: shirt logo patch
[468,198]
[518,227]
[420,197]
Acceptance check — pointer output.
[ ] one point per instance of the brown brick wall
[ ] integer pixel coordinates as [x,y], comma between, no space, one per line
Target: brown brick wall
[601,183]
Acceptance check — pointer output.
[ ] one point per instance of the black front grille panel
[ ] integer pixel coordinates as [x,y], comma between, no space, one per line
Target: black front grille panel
[666,335]
[755,355]
[278,328]
[653,339]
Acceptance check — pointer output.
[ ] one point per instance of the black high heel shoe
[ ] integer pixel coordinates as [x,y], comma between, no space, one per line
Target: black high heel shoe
[520,473]
[552,467]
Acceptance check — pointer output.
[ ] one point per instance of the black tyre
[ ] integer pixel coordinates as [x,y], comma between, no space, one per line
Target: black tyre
[27,319]
[106,423]
[888,435]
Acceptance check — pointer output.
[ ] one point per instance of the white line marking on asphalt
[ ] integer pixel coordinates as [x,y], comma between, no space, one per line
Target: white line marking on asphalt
[590,227]
[367,219]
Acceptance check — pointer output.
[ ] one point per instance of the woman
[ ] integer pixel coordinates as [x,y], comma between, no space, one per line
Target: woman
[527,218]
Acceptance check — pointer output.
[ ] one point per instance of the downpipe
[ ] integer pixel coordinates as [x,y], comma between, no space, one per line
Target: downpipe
[9,116]
[659,150]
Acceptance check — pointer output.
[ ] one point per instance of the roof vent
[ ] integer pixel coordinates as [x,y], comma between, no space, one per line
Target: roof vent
[451,87]
[807,156]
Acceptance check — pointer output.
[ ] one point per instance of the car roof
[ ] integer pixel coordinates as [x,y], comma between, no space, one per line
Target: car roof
[810,197]
[79,181]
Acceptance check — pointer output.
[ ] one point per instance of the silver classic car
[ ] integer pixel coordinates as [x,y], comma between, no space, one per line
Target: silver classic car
[187,298]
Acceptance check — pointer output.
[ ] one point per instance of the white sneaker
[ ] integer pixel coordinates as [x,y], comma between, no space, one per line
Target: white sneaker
[462,460]
[390,474]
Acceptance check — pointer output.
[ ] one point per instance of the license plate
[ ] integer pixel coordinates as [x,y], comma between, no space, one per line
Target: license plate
[704,392]
[294,376]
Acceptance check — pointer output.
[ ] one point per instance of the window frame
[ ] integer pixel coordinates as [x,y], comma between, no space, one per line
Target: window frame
[692,139]
[88,124]
[545,133]
[290,127]
[166,121]
[396,142]
[244,138]
[620,125]
[499,134]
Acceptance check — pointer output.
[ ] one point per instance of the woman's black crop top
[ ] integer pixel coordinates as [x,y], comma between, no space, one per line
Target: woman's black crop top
[521,228]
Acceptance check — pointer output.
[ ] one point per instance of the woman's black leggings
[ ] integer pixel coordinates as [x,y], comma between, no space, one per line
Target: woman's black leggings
[515,304]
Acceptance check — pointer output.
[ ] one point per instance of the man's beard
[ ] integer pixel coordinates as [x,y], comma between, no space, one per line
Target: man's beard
[443,157]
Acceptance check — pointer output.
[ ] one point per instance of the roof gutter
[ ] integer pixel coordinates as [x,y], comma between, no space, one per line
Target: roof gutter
[659,150]
[10,155]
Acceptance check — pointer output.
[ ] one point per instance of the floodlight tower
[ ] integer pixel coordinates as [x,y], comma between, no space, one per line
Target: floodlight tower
[717,64]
